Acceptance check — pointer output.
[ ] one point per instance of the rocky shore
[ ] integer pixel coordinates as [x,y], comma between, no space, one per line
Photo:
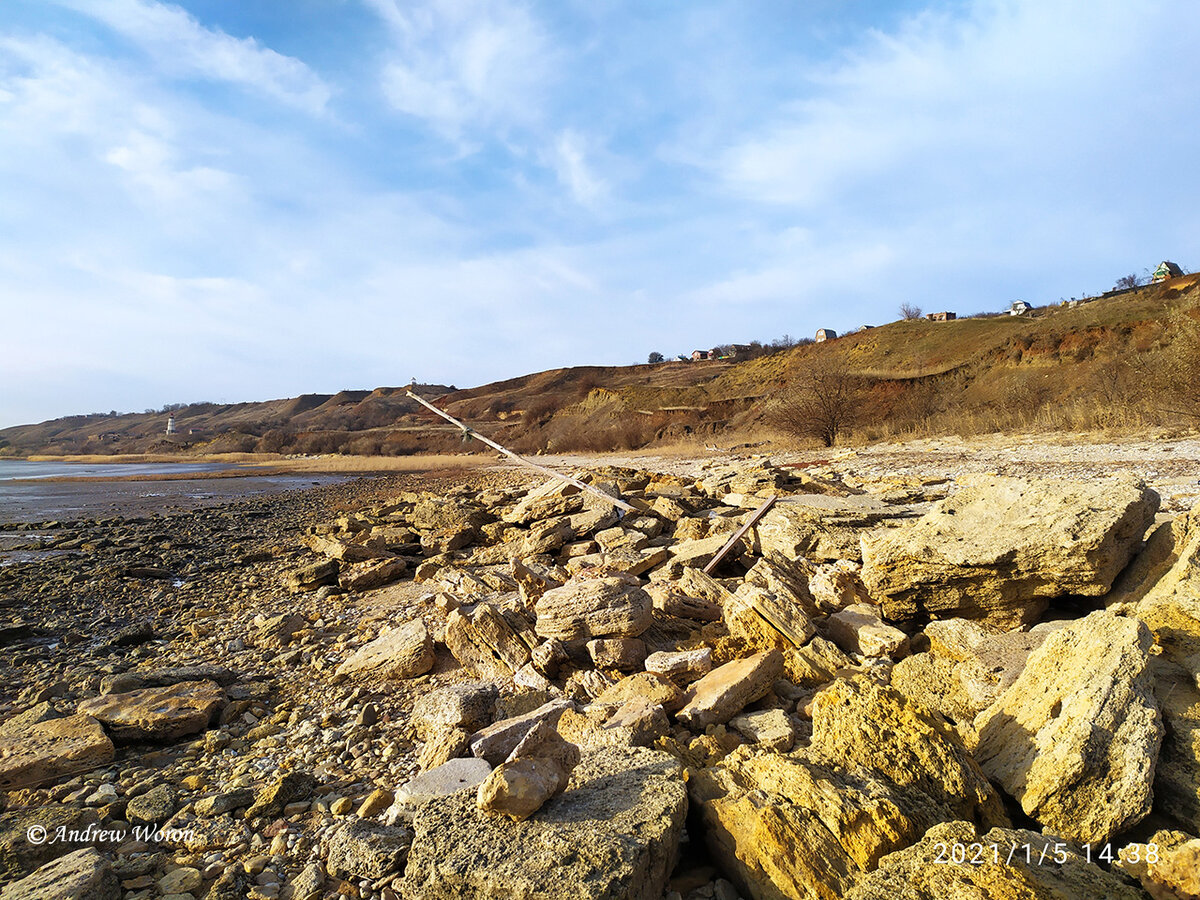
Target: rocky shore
[487,686]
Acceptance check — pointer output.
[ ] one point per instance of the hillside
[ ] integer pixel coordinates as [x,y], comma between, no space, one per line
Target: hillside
[1059,367]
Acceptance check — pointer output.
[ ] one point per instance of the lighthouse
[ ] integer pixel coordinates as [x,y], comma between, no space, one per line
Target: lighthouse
[170,424]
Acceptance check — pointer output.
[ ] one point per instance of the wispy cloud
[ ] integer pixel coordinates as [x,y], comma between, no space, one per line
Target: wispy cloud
[179,44]
[466,67]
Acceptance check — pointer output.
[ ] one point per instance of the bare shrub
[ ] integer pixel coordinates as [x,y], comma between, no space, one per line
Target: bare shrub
[823,402]
[910,311]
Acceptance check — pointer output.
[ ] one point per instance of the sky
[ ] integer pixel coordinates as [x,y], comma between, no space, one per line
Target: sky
[229,201]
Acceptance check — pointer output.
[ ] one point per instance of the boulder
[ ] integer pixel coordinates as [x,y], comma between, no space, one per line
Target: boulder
[725,691]
[157,714]
[155,806]
[82,875]
[653,689]
[372,574]
[770,729]
[816,663]
[1000,548]
[19,856]
[403,652]
[287,788]
[34,753]
[361,849]
[624,654]
[1076,737]
[612,834]
[985,663]
[594,607]
[448,778]
[929,870]
[1167,865]
[879,772]
[488,640]
[468,706]
[762,619]
[312,576]
[518,789]
[495,742]
[860,629]
[818,527]
[683,666]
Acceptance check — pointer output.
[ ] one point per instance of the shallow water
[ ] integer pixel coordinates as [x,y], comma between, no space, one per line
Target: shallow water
[28,492]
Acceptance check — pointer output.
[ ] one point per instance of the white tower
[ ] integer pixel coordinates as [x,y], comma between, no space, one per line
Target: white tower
[170,424]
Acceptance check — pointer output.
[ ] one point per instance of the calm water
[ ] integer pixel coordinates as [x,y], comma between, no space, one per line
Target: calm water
[28,493]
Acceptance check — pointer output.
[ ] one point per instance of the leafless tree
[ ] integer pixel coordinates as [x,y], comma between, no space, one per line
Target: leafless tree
[823,402]
[910,311]
[1127,282]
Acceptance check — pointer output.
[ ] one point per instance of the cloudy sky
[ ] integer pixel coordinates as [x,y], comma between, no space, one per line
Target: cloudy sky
[228,201]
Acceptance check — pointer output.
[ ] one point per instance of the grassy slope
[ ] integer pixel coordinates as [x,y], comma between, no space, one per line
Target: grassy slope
[626,406]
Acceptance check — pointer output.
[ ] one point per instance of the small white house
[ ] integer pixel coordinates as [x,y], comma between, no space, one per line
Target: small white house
[825,334]
[1019,308]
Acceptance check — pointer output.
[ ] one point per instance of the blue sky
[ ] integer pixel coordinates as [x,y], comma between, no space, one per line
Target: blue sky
[233,201]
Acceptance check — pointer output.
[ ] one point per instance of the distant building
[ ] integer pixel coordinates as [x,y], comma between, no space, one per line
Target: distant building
[865,327]
[170,424]
[942,316]
[825,334]
[1166,269]
[738,350]
[1019,308]
[698,355]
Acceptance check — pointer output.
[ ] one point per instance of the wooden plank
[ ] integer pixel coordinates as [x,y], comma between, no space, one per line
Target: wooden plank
[620,504]
[737,535]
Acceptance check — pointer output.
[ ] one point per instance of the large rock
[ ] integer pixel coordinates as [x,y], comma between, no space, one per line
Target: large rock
[724,692]
[82,875]
[403,652]
[985,663]
[495,742]
[594,607]
[860,629]
[46,750]
[362,849]
[372,574]
[1000,548]
[158,714]
[929,870]
[1076,737]
[612,835]
[819,527]
[489,640]
[879,773]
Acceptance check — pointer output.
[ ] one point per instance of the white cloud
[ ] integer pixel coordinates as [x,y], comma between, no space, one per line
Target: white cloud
[570,164]
[465,66]
[181,45]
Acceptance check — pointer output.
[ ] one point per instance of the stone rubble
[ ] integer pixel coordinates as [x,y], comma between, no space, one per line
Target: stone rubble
[487,689]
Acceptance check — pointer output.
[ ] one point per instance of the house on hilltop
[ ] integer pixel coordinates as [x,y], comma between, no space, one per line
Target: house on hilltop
[942,317]
[1019,308]
[1166,269]
[825,334]
[698,355]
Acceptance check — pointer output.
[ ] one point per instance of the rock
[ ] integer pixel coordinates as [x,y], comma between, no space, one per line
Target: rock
[816,663]
[827,528]
[533,581]
[467,706]
[1168,865]
[860,629]
[624,654]
[158,714]
[518,789]
[227,801]
[877,775]
[442,746]
[1075,738]
[725,691]
[484,639]
[32,753]
[365,576]
[672,598]
[366,850]
[39,712]
[763,620]
[836,585]
[19,856]
[343,551]
[930,681]
[277,631]
[312,576]
[309,884]
[653,689]
[635,723]
[682,667]
[769,728]
[612,834]
[495,742]
[984,663]
[404,652]
[155,806]
[448,778]
[82,875]
[554,498]
[594,607]
[927,870]
[374,803]
[285,789]
[184,880]
[999,548]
